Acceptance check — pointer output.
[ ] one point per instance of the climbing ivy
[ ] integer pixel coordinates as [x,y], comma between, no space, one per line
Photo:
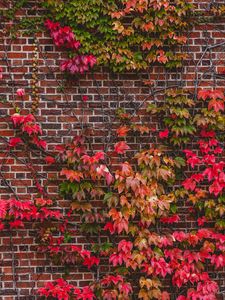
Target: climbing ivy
[126,35]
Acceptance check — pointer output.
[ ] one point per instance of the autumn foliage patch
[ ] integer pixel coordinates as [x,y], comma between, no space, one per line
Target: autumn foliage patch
[127,202]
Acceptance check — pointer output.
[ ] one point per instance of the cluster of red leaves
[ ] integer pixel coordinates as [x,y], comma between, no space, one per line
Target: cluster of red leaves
[78,64]
[216,99]
[214,171]
[62,290]
[184,263]
[27,124]
[15,212]
[206,290]
[110,287]
[209,160]
[64,37]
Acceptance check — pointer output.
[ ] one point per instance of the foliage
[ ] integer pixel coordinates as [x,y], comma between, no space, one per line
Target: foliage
[29,128]
[113,287]
[127,204]
[27,24]
[212,116]
[84,174]
[140,199]
[176,116]
[64,37]
[151,35]
[181,255]
[61,290]
[14,213]
[142,193]
[210,201]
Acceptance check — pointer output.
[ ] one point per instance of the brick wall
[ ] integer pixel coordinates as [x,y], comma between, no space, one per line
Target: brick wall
[63,115]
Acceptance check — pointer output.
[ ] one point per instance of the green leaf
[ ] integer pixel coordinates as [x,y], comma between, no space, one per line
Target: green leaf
[67,237]
[180,161]
[158,251]
[173,208]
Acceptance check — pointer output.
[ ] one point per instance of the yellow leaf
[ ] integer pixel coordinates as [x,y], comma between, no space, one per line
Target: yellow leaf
[118,26]
[81,206]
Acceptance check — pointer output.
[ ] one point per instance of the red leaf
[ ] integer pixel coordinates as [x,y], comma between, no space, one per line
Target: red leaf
[85,98]
[20,92]
[17,119]
[217,94]
[13,142]
[99,156]
[109,226]
[39,143]
[121,225]
[170,220]
[49,160]
[60,148]
[148,26]
[189,184]
[125,246]
[31,128]
[218,260]
[216,188]
[194,160]
[189,153]
[204,94]
[42,202]
[164,134]
[116,259]
[29,119]
[16,224]
[86,294]
[90,261]
[201,221]
[121,147]
[218,150]
[205,133]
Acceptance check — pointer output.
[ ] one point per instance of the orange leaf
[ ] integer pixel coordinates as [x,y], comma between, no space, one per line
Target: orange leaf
[72,175]
[216,105]
[122,131]
[81,206]
[148,26]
